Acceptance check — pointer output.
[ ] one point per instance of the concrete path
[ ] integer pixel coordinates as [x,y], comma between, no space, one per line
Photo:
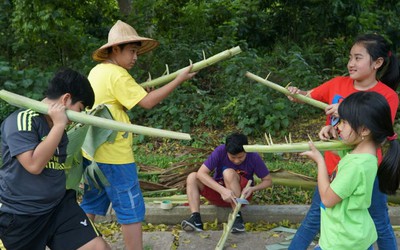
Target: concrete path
[207,240]
[182,240]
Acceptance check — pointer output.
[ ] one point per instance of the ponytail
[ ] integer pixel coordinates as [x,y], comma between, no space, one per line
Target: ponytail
[389,73]
[389,169]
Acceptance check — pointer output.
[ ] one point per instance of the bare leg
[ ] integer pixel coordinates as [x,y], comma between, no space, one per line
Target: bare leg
[91,216]
[97,243]
[232,182]
[193,187]
[132,234]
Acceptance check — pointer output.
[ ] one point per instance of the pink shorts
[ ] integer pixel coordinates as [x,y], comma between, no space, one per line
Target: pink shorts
[215,198]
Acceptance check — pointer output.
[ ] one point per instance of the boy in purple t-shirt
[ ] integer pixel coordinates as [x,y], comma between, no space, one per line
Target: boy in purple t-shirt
[232,168]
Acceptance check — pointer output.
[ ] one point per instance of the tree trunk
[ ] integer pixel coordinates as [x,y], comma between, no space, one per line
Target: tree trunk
[125,6]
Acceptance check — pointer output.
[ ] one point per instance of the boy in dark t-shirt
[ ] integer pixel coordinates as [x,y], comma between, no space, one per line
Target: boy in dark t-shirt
[232,168]
[36,210]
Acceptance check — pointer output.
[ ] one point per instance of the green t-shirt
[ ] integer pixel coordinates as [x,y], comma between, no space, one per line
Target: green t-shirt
[348,225]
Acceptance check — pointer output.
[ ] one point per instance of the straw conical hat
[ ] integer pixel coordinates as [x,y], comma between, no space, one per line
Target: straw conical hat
[122,33]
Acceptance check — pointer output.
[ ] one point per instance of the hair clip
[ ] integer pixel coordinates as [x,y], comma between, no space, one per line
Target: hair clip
[392,138]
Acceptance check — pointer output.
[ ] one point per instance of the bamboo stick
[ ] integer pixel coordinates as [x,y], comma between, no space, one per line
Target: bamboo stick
[292,182]
[155,192]
[231,220]
[28,103]
[196,67]
[297,147]
[283,90]
[182,198]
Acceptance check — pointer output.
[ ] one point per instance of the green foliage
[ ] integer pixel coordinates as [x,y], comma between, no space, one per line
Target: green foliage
[282,195]
[59,31]
[30,82]
[303,42]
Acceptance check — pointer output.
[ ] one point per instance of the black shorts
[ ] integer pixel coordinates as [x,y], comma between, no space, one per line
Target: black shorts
[65,227]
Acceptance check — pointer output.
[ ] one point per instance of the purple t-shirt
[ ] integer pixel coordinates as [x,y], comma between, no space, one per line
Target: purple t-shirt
[219,161]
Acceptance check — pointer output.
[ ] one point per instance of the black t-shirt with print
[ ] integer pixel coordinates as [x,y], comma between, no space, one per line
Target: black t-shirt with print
[20,191]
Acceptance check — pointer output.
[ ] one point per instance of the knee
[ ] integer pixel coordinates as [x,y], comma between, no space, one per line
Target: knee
[230,175]
[97,243]
[192,178]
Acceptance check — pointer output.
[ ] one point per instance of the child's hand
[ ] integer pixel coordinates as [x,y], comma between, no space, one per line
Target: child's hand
[332,110]
[294,90]
[228,196]
[56,111]
[314,154]
[247,191]
[185,74]
[149,89]
[327,133]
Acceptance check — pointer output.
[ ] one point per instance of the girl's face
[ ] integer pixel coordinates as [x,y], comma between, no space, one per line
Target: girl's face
[126,57]
[360,64]
[346,133]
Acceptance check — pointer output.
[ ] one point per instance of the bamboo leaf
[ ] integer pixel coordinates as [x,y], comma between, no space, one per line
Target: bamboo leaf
[28,103]
[88,138]
[283,90]
[196,67]
[73,163]
[297,147]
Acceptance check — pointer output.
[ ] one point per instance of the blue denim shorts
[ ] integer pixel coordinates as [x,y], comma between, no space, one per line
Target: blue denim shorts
[123,193]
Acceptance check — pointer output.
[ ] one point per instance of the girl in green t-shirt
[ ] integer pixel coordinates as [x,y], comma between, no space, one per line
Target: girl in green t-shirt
[365,123]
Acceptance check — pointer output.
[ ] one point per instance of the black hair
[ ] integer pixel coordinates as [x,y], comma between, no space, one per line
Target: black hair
[122,46]
[377,46]
[372,111]
[69,81]
[234,143]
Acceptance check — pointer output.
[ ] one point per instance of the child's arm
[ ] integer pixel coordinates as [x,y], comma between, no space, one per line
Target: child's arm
[34,161]
[328,197]
[156,96]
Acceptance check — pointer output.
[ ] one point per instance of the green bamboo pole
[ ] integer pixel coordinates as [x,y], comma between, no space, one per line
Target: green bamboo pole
[310,185]
[298,183]
[297,147]
[231,220]
[283,90]
[196,67]
[28,103]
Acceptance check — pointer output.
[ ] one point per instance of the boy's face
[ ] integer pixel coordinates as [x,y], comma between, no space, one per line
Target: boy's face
[66,100]
[78,107]
[126,57]
[237,159]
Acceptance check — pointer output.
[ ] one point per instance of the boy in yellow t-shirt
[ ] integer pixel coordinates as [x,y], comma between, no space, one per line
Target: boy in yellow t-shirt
[115,87]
